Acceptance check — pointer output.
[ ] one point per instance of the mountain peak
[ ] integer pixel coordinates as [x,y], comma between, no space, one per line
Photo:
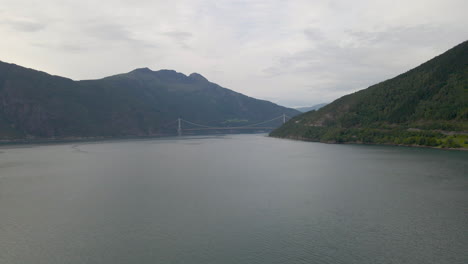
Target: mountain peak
[143,70]
[197,76]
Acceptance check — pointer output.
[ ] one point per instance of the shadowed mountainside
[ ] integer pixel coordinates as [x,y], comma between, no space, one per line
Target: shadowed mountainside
[34,104]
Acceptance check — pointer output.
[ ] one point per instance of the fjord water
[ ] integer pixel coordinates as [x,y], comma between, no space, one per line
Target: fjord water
[232,199]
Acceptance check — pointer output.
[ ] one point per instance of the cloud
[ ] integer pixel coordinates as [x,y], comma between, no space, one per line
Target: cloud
[298,52]
[64,47]
[22,25]
[179,37]
[104,31]
[360,58]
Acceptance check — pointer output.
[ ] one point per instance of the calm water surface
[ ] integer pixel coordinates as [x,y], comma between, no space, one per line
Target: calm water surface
[232,199]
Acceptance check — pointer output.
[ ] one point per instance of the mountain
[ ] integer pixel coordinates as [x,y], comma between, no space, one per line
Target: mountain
[34,104]
[426,106]
[310,108]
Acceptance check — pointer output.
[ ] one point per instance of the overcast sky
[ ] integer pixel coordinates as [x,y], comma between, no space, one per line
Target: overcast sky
[295,53]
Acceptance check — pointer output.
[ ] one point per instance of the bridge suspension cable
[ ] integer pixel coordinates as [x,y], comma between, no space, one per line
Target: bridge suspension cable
[281,116]
[178,122]
[195,124]
[236,127]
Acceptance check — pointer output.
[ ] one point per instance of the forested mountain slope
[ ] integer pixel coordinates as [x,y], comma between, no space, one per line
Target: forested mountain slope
[427,106]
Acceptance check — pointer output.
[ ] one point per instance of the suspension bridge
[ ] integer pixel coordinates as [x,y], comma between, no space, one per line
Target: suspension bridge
[185,125]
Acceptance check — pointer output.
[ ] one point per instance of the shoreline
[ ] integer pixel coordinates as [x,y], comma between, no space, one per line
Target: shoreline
[371,144]
[9,142]
[12,142]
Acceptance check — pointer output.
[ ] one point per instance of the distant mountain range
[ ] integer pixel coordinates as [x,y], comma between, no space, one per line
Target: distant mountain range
[37,105]
[426,106]
[310,108]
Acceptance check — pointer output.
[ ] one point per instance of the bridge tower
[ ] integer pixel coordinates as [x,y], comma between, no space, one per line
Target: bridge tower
[179,127]
[284,118]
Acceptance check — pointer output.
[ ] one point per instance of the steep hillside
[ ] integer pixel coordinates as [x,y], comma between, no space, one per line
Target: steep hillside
[35,104]
[427,106]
